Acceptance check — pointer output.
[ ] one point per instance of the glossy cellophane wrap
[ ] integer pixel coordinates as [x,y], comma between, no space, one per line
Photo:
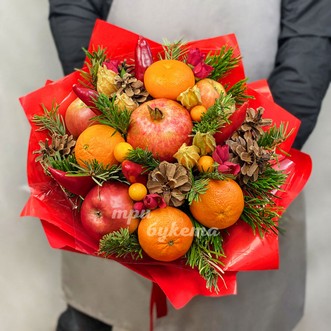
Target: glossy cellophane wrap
[60,217]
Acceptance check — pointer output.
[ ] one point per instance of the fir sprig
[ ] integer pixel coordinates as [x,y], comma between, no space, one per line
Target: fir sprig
[204,254]
[173,50]
[274,136]
[260,215]
[268,182]
[64,163]
[222,62]
[120,244]
[111,115]
[216,115]
[93,61]
[238,92]
[260,209]
[51,121]
[143,157]
[199,186]
[99,172]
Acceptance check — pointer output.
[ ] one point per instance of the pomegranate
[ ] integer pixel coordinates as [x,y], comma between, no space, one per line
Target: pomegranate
[161,126]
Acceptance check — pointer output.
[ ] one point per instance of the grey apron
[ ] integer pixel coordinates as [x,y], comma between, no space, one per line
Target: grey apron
[266,300]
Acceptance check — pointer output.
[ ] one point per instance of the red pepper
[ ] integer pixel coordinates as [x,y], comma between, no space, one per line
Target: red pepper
[134,172]
[79,185]
[143,58]
[87,95]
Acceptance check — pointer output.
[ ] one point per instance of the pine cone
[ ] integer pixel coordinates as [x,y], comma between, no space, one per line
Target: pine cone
[132,87]
[244,148]
[60,144]
[172,181]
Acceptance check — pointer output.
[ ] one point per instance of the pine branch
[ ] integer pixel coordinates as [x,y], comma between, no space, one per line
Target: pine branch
[222,62]
[111,115]
[65,163]
[274,136]
[238,92]
[216,115]
[120,244]
[94,60]
[267,182]
[260,209]
[143,157]
[51,121]
[204,254]
[199,186]
[99,172]
[260,216]
[173,50]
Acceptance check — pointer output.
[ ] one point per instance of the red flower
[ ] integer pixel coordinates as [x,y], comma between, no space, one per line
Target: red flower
[194,56]
[197,60]
[112,65]
[202,70]
[152,201]
[221,155]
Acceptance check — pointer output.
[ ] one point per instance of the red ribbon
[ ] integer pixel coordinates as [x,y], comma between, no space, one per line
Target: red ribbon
[158,301]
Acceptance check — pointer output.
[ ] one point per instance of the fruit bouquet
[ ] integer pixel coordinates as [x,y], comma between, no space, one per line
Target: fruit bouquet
[163,158]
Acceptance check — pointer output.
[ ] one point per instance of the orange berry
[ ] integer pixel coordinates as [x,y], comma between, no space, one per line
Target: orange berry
[137,191]
[168,79]
[197,112]
[121,151]
[205,164]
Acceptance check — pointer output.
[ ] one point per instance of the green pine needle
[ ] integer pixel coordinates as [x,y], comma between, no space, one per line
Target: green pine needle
[204,254]
[274,136]
[223,62]
[120,244]
[99,172]
[238,92]
[51,121]
[65,163]
[143,157]
[260,209]
[93,61]
[173,50]
[216,115]
[111,115]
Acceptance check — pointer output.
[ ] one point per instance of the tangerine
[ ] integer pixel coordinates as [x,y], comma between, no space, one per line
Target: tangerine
[97,142]
[196,112]
[165,234]
[221,205]
[168,79]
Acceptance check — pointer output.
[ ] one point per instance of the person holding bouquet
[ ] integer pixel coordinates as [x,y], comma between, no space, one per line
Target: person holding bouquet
[288,42]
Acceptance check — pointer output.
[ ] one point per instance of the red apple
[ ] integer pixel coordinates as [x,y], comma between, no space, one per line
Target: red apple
[161,126]
[106,209]
[209,90]
[77,117]
[236,120]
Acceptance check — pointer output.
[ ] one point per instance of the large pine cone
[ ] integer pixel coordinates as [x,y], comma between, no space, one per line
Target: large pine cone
[172,181]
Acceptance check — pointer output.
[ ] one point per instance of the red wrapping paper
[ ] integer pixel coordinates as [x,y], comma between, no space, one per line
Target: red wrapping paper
[58,214]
